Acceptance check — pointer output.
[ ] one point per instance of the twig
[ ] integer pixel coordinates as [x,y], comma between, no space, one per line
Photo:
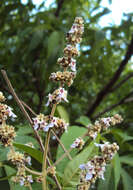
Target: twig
[22,107]
[121,82]
[28,107]
[32,172]
[29,185]
[63,147]
[59,6]
[44,171]
[122,101]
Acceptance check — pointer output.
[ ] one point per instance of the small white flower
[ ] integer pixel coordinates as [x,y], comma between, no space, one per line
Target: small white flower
[36,126]
[11,114]
[22,180]
[88,176]
[47,127]
[82,166]
[28,160]
[29,178]
[73,65]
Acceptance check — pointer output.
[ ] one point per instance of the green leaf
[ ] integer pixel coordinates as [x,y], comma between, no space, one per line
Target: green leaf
[53,42]
[63,113]
[71,176]
[126,180]
[127,159]
[121,134]
[84,120]
[36,154]
[67,139]
[24,130]
[117,170]
[3,153]
[108,183]
[36,39]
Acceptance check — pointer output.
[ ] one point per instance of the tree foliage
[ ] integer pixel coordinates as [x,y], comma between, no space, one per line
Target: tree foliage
[31,41]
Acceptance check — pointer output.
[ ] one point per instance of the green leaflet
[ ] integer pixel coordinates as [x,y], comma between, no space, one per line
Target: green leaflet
[67,139]
[71,176]
[117,170]
[63,113]
[84,120]
[126,180]
[53,42]
[31,151]
[127,159]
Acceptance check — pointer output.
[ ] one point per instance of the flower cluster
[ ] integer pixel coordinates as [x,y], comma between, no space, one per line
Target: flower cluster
[74,35]
[22,178]
[67,61]
[57,96]
[64,77]
[103,124]
[78,143]
[70,51]
[20,160]
[51,170]
[7,134]
[95,168]
[42,122]
[2,97]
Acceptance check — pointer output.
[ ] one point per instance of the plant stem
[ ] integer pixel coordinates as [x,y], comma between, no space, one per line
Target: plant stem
[22,107]
[63,147]
[32,172]
[44,172]
[30,186]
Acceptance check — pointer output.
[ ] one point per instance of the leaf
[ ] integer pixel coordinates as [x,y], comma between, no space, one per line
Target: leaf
[126,180]
[24,139]
[108,183]
[127,159]
[67,139]
[121,134]
[71,175]
[36,39]
[84,120]
[24,130]
[53,42]
[63,113]
[36,154]
[3,153]
[117,170]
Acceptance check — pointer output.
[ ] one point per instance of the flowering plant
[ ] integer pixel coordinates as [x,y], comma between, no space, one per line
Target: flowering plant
[88,167]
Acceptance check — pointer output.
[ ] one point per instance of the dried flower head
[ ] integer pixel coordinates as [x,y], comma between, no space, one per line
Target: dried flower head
[71,51]
[7,134]
[67,61]
[63,77]
[16,158]
[51,170]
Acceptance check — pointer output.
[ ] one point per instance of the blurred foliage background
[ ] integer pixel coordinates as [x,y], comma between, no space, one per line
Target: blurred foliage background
[31,40]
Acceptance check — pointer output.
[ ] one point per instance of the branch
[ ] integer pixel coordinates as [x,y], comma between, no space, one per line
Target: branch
[113,80]
[59,6]
[124,100]
[121,82]
[22,108]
